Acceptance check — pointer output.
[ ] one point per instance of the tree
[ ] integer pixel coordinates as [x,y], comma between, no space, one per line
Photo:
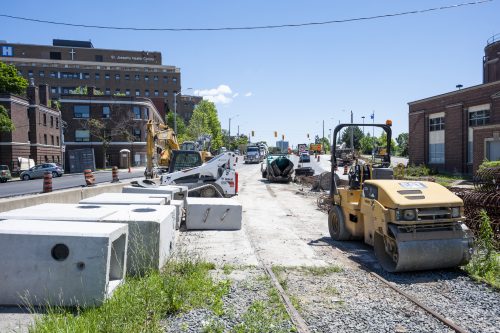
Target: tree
[11,81]
[382,142]
[6,124]
[366,144]
[97,128]
[402,141]
[181,126]
[205,121]
[345,137]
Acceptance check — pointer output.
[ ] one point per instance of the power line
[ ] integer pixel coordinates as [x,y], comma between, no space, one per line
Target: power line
[278,26]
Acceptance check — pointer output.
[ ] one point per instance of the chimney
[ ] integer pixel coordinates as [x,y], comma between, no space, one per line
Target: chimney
[44,94]
[33,96]
[90,91]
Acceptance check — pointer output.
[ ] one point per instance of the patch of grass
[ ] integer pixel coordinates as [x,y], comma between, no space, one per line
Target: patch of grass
[485,263]
[140,303]
[212,326]
[265,316]
[228,268]
[322,270]
[332,291]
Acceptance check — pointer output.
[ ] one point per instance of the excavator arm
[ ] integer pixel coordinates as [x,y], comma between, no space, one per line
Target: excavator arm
[160,140]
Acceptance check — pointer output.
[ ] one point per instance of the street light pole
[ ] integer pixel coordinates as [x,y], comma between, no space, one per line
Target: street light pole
[363,117]
[175,109]
[352,132]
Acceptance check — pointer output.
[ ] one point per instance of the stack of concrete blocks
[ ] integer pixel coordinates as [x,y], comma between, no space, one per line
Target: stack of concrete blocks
[150,228]
[213,214]
[60,263]
[174,195]
[123,199]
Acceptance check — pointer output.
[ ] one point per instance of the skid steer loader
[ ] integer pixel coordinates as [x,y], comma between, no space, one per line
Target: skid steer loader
[412,225]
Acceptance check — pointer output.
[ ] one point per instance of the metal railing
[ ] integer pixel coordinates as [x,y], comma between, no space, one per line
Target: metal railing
[493,39]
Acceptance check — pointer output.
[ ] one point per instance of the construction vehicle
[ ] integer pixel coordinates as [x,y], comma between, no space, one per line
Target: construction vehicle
[195,146]
[412,225]
[277,168]
[216,177]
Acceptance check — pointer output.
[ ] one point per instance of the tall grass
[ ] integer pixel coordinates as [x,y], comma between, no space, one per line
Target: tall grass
[485,263]
[140,303]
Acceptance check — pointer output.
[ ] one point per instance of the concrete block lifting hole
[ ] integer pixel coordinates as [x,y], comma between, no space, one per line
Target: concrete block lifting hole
[213,214]
[60,263]
[123,199]
[179,211]
[158,192]
[151,229]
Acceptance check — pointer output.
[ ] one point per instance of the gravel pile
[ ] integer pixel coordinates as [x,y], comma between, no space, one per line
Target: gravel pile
[247,286]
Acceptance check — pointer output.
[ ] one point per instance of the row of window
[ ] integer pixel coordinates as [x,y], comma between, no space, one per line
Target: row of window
[93,67]
[476,118]
[97,76]
[44,117]
[52,141]
[83,135]
[107,91]
[83,112]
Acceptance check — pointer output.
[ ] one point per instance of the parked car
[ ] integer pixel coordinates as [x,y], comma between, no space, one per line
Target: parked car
[304,157]
[4,173]
[38,171]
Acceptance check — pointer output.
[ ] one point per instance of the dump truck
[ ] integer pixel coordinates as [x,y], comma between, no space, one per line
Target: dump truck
[412,225]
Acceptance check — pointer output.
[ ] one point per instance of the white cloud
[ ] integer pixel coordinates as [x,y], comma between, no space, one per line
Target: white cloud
[219,95]
[248,94]
[236,95]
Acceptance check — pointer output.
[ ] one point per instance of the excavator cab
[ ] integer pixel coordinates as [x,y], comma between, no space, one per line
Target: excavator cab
[412,225]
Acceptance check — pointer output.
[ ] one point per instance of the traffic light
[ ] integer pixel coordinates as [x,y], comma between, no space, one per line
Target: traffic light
[275,134]
[253,133]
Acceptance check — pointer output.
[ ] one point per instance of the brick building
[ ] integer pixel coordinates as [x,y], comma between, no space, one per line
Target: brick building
[67,64]
[456,131]
[124,117]
[37,133]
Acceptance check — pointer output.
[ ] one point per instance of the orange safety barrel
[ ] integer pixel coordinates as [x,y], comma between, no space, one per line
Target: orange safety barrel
[47,182]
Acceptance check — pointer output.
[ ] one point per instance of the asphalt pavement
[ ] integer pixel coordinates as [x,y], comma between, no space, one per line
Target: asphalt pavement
[16,187]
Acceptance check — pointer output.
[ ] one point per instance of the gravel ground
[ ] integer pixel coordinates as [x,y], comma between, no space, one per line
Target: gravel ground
[248,284]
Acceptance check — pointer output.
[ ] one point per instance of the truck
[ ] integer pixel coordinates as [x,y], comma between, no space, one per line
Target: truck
[253,154]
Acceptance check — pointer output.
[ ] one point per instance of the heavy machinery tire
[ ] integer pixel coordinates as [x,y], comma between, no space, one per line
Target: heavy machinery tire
[208,192]
[264,174]
[336,224]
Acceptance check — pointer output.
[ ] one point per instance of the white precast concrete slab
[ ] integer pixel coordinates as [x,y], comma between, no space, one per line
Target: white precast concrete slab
[183,191]
[60,263]
[213,214]
[60,212]
[151,236]
[123,199]
[158,192]
[179,209]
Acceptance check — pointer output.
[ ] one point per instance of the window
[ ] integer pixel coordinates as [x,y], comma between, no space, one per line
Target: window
[117,76]
[436,124]
[53,75]
[52,139]
[30,73]
[165,79]
[155,77]
[106,112]
[370,191]
[146,93]
[53,90]
[477,118]
[436,153]
[107,91]
[98,57]
[51,121]
[157,93]
[174,80]
[165,93]
[117,91]
[145,112]
[137,92]
[81,111]
[82,135]
[127,77]
[137,134]
[55,55]
[106,76]
[86,75]
[44,119]
[57,139]
[57,122]
[127,92]
[97,76]
[45,138]
[137,77]
[137,112]
[146,78]
[41,74]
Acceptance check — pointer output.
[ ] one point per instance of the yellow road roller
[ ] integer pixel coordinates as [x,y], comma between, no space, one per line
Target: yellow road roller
[412,225]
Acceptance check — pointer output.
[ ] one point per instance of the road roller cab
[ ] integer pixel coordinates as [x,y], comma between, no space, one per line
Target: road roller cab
[412,225]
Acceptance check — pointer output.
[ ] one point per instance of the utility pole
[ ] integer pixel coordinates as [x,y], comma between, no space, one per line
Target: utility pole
[352,133]
[363,117]
[323,139]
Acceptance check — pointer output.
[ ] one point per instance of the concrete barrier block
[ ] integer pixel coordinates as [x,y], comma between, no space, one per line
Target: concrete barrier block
[60,263]
[179,209]
[182,192]
[151,236]
[61,212]
[156,192]
[123,199]
[213,214]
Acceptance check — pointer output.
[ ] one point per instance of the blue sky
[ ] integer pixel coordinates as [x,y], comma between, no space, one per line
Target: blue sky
[288,80]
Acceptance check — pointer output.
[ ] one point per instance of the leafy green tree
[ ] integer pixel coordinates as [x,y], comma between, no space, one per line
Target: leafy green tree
[382,142]
[366,144]
[402,141]
[326,143]
[6,124]
[181,127]
[11,81]
[205,121]
[345,137]
[97,129]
